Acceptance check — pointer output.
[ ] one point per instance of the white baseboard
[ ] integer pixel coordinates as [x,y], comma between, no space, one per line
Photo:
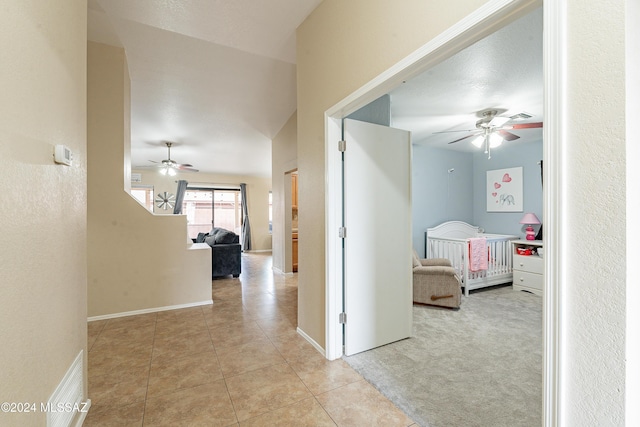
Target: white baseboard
[311,341]
[277,270]
[149,310]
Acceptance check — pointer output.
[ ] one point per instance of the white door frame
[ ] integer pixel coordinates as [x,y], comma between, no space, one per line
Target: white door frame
[487,19]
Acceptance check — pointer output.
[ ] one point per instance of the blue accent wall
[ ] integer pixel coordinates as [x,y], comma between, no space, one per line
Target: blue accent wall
[377,112]
[437,194]
[526,156]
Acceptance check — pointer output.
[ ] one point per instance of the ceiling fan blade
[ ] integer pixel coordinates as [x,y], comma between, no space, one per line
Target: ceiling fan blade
[461,130]
[508,136]
[185,168]
[464,137]
[525,125]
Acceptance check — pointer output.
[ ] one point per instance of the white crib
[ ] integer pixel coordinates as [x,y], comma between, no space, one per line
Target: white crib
[451,240]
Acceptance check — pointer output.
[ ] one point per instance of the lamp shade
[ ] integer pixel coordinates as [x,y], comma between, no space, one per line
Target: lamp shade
[530,218]
[495,140]
[478,141]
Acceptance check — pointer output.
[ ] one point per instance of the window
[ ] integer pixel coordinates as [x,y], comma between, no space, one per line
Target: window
[143,194]
[209,207]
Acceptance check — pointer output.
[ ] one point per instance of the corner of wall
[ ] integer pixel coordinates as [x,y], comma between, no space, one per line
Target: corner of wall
[136,260]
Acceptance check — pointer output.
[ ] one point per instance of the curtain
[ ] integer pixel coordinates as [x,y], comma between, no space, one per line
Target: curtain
[541,173]
[246,227]
[182,188]
[539,235]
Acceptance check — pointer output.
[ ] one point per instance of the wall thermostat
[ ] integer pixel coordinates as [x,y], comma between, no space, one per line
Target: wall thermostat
[63,155]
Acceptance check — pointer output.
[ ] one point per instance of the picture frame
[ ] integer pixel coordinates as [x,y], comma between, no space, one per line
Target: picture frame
[505,190]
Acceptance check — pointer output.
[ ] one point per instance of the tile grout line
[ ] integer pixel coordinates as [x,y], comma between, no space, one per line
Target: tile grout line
[146,393]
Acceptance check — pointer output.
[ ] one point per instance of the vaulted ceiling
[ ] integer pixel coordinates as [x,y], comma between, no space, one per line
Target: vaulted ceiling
[218,80]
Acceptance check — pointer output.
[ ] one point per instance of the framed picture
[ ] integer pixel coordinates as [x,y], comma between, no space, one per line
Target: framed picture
[504,190]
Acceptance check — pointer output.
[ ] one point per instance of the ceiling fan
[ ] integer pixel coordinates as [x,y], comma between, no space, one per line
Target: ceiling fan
[171,167]
[491,129]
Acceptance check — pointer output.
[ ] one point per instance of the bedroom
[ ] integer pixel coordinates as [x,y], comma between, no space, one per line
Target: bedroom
[449,183]
[503,73]
[443,109]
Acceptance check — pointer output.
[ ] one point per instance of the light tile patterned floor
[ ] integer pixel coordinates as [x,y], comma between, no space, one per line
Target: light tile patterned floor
[238,362]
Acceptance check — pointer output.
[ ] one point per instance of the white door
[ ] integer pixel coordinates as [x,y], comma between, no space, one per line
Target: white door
[377,215]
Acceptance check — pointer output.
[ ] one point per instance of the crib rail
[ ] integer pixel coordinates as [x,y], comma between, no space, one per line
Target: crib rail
[499,269]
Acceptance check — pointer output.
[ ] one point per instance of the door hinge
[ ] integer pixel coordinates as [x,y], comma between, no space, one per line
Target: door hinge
[342,232]
[342,318]
[342,146]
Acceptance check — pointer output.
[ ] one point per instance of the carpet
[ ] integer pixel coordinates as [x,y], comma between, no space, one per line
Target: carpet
[479,366]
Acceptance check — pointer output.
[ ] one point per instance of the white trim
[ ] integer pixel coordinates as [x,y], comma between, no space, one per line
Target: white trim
[632,62]
[555,115]
[149,310]
[212,186]
[311,341]
[257,250]
[278,271]
[333,253]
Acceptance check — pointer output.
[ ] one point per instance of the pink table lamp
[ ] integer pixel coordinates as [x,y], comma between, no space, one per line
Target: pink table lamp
[530,219]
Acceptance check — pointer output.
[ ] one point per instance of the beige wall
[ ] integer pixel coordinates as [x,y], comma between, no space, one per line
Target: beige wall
[257,197]
[284,155]
[340,47]
[43,209]
[136,260]
[595,206]
[343,45]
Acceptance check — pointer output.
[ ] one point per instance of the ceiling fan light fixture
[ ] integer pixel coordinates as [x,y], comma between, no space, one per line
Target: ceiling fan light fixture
[478,141]
[499,121]
[168,170]
[495,140]
[171,167]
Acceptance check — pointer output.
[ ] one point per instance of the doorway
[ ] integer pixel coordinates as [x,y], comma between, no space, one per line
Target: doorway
[377,282]
[484,22]
[290,264]
[294,221]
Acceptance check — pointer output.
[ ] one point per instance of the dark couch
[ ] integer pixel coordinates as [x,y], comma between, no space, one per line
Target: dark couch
[226,251]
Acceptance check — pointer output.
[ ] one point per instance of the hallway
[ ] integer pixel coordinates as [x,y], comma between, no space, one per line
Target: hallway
[238,362]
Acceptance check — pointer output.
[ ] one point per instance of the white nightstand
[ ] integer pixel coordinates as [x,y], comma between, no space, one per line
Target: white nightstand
[528,270]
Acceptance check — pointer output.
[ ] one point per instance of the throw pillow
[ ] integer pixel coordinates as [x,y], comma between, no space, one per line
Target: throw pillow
[225,237]
[201,237]
[210,240]
[416,259]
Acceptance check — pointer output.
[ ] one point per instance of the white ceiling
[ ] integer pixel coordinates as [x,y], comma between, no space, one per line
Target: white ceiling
[502,71]
[218,79]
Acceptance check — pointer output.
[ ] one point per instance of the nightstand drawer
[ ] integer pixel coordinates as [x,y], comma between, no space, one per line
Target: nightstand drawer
[531,263]
[528,280]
